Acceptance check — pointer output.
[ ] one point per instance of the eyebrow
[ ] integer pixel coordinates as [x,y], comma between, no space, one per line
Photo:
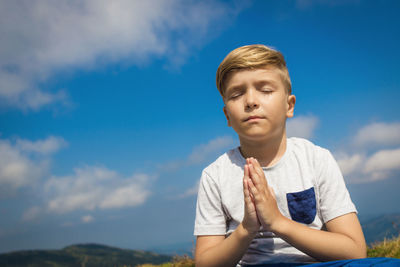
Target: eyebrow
[266,82]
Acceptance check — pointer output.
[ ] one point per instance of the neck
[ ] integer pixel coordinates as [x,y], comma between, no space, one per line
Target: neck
[267,152]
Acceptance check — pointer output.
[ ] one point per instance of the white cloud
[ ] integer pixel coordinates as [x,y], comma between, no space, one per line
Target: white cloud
[91,188]
[47,146]
[372,154]
[378,134]
[16,169]
[201,152]
[42,37]
[302,126]
[130,194]
[359,168]
[25,162]
[87,219]
[350,164]
[384,160]
[31,213]
[191,191]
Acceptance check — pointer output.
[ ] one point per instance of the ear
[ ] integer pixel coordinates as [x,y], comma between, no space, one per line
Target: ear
[227,116]
[291,101]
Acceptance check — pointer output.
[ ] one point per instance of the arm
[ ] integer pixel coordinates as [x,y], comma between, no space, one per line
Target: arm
[216,250]
[221,251]
[343,240]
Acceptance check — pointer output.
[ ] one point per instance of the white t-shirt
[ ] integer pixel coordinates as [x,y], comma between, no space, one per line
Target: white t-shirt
[309,189]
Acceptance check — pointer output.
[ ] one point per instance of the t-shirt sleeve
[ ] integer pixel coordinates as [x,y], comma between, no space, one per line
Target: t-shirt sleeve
[210,218]
[334,198]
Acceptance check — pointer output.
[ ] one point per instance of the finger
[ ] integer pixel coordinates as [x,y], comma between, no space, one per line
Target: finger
[246,189]
[246,192]
[260,183]
[252,189]
[257,167]
[253,175]
[257,197]
[259,171]
[249,203]
[252,198]
[256,179]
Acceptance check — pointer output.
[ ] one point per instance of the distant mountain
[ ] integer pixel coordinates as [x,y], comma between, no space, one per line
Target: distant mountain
[380,227]
[87,255]
[90,255]
[182,248]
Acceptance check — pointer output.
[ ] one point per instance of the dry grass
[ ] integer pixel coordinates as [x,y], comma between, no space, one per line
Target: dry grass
[387,248]
[178,261]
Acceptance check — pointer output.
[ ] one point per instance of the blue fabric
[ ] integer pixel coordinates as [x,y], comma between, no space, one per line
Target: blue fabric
[360,262]
[385,262]
[302,206]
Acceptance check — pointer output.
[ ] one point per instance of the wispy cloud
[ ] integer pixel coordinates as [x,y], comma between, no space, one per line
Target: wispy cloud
[191,191]
[350,163]
[373,153]
[302,126]
[32,213]
[24,162]
[40,38]
[378,134]
[92,188]
[46,146]
[382,162]
[87,219]
[200,153]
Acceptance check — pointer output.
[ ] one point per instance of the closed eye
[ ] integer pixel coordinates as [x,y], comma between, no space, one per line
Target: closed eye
[266,90]
[236,94]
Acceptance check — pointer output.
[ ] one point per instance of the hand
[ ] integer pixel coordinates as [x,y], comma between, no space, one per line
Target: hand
[250,221]
[263,196]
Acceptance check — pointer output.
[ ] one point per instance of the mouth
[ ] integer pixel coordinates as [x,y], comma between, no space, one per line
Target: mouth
[253,118]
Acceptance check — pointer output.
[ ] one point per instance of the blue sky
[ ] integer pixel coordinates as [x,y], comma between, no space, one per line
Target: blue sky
[109,110]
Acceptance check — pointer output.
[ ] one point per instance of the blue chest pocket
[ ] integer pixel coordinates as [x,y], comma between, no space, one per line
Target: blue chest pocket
[302,206]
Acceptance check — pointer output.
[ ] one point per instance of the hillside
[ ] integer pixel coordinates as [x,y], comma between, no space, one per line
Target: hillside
[375,229]
[88,255]
[378,228]
[387,248]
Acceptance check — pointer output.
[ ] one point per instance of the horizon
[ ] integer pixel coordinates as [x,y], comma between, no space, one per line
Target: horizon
[109,110]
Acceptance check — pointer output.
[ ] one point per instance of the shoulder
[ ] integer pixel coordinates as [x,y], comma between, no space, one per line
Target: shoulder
[306,147]
[223,163]
[305,150]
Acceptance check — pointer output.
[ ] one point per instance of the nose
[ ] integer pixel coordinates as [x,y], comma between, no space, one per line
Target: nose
[251,99]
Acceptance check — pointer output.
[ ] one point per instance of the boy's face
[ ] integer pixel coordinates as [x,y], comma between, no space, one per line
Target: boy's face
[257,104]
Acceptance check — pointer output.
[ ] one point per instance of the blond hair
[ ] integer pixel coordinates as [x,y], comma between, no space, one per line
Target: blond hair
[252,57]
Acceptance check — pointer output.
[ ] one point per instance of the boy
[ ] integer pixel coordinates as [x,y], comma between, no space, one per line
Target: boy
[273,199]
